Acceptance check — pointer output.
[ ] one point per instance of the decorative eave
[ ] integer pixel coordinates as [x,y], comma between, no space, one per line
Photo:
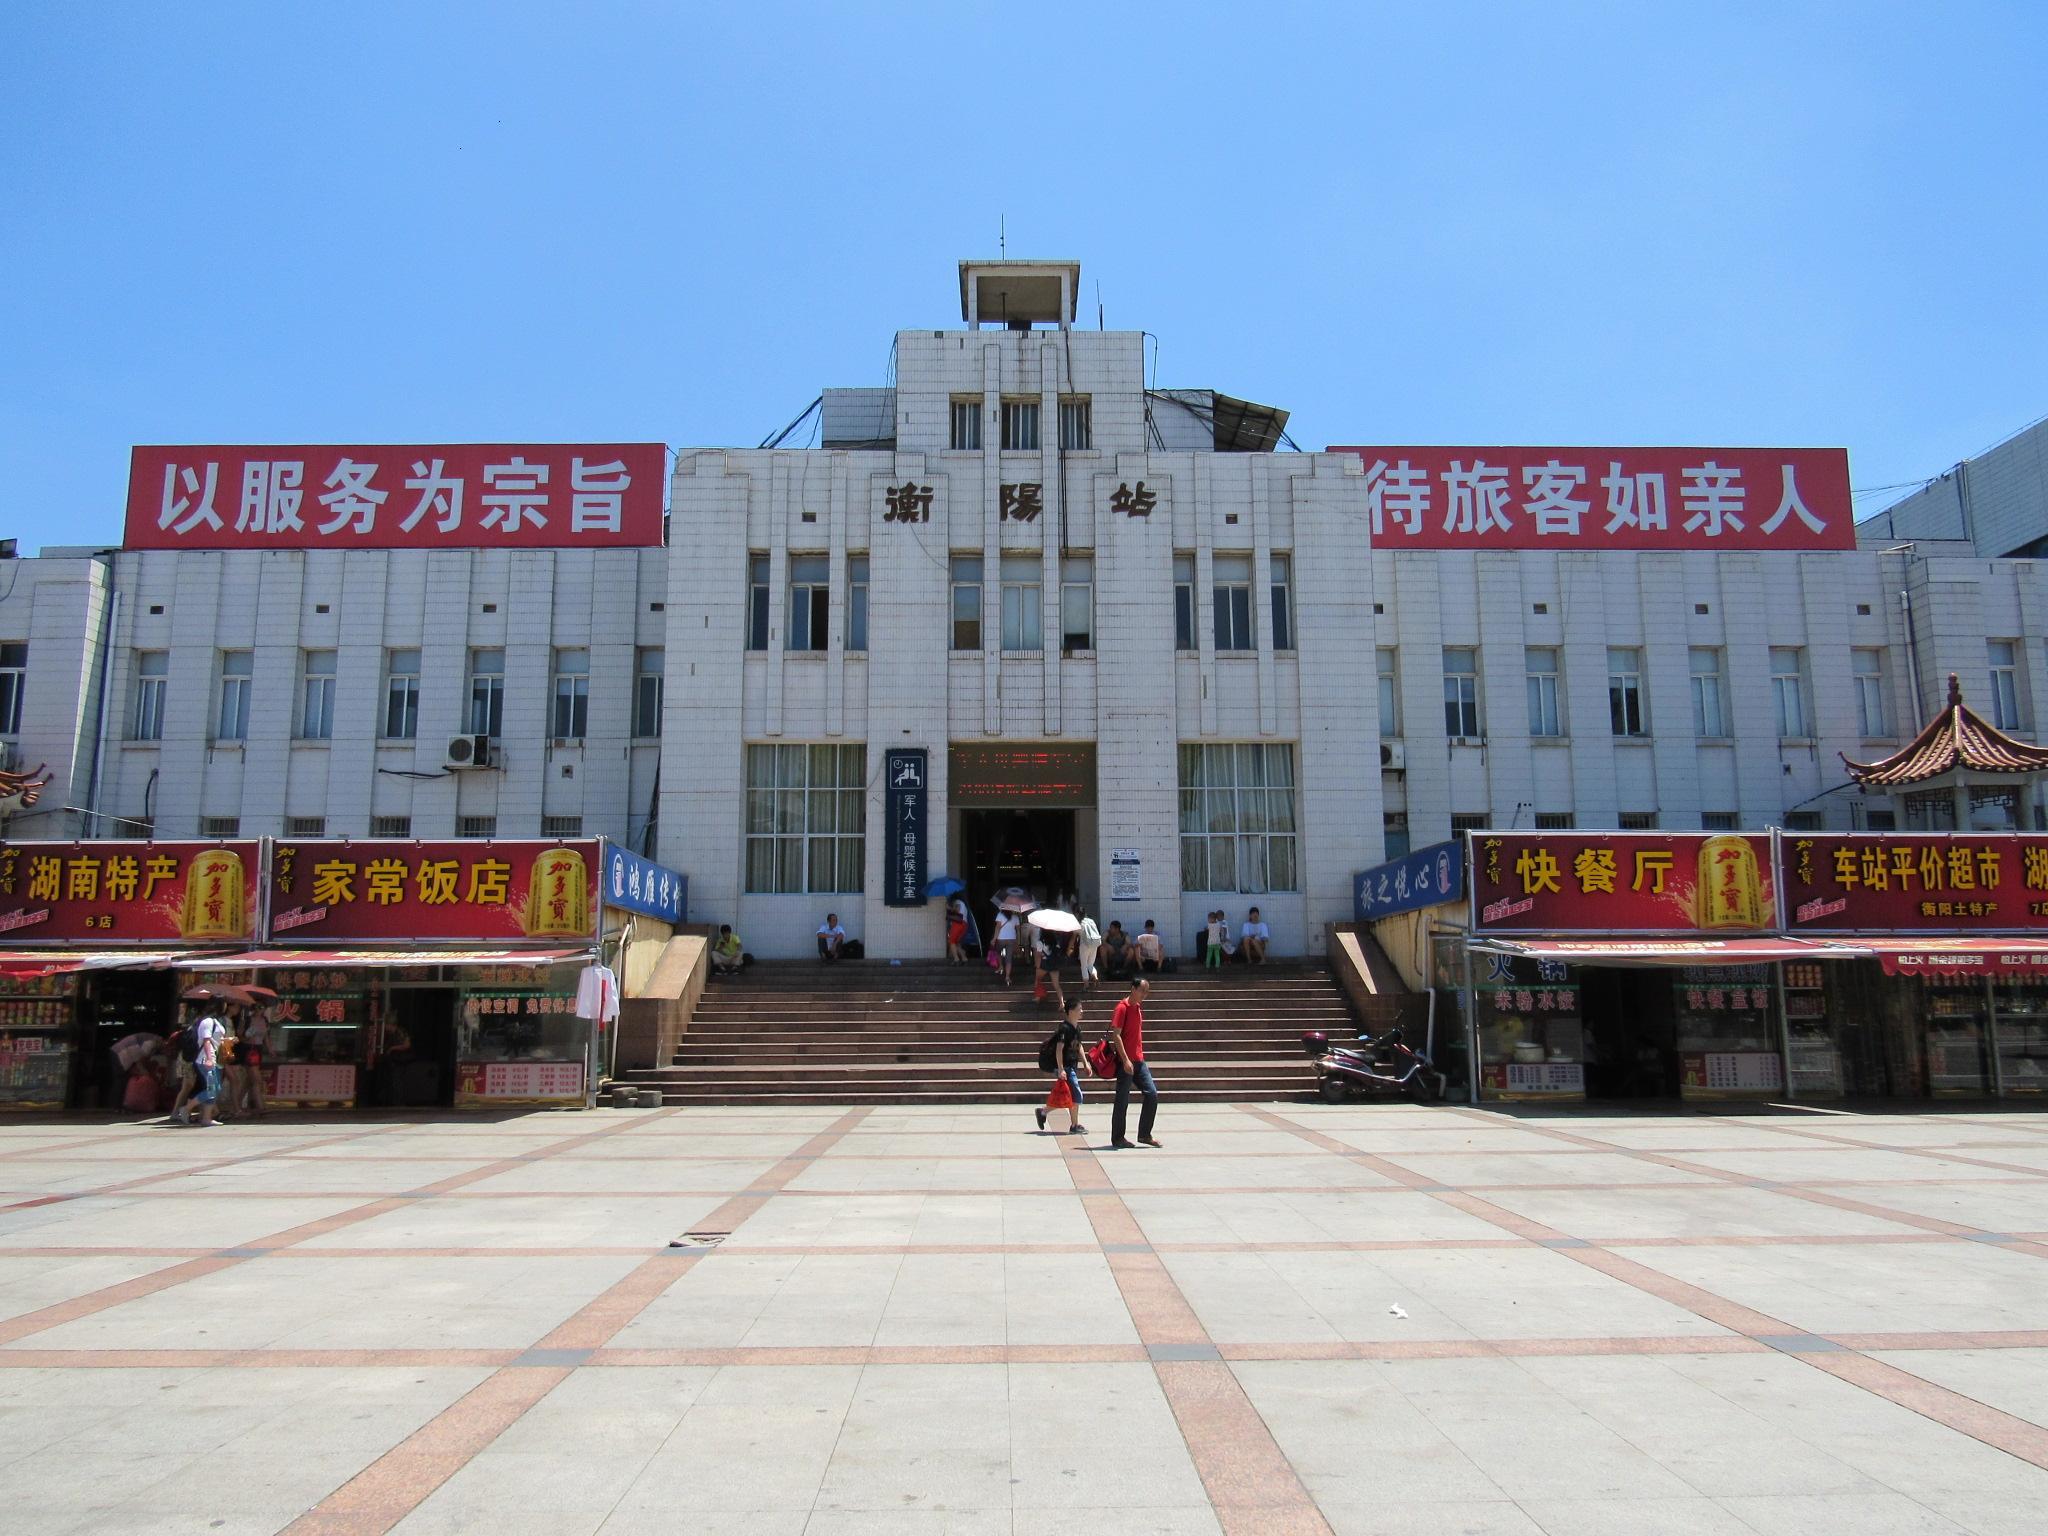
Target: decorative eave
[19,791]
[1956,740]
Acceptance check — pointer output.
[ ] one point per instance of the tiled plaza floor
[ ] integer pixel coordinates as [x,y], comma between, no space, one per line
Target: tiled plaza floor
[1293,1318]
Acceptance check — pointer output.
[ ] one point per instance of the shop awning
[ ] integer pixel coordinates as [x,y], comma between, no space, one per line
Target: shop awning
[1757,951]
[27,964]
[1958,956]
[275,959]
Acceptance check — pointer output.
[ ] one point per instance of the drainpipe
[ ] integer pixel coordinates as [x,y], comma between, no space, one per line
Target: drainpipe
[109,618]
[1912,655]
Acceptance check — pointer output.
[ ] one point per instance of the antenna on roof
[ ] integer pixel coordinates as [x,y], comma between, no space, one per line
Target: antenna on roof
[1098,304]
[1002,235]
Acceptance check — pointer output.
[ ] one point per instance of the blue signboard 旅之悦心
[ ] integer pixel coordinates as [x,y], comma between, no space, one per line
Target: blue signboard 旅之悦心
[905,785]
[640,885]
[1427,877]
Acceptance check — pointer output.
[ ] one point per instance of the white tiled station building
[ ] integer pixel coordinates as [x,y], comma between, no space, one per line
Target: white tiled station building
[1124,625]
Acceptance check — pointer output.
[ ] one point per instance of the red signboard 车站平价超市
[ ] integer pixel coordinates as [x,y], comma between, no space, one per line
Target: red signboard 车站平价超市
[1608,498]
[127,893]
[1624,882]
[334,891]
[1901,883]
[397,496]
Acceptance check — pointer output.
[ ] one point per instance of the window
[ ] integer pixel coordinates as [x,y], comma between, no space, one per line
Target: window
[13,677]
[1788,667]
[561,826]
[1390,694]
[305,826]
[966,431]
[1554,821]
[1888,821]
[220,826]
[1540,662]
[1077,603]
[1023,600]
[2005,686]
[1461,693]
[1802,821]
[1717,821]
[391,826]
[476,826]
[647,691]
[1625,691]
[572,694]
[1469,821]
[1184,603]
[757,602]
[1233,578]
[237,672]
[1237,829]
[856,602]
[1020,426]
[967,602]
[152,677]
[1077,423]
[810,602]
[1394,829]
[486,692]
[402,695]
[316,696]
[1281,569]
[806,818]
[1868,669]
[1638,821]
[1709,717]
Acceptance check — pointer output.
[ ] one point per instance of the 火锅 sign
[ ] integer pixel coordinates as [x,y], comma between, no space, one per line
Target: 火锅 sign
[337,891]
[1933,883]
[438,496]
[127,893]
[1608,498]
[1626,882]
[1427,877]
[641,885]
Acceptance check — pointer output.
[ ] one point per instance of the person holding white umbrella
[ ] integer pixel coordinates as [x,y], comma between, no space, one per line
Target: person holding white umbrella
[1011,905]
[1054,931]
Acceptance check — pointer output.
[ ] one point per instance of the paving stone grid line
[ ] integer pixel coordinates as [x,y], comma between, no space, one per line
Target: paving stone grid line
[889,1269]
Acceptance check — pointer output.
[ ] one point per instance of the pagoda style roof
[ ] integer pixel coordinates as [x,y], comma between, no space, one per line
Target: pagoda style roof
[18,791]
[1956,739]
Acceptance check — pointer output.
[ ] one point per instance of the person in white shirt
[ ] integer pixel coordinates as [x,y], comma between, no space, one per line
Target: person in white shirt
[1006,941]
[208,1032]
[1150,949]
[1253,938]
[831,937]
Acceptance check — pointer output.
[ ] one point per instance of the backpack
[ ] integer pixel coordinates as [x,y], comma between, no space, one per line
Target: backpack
[1048,1053]
[1091,936]
[188,1043]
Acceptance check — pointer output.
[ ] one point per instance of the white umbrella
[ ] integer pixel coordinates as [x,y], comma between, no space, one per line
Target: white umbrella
[1054,921]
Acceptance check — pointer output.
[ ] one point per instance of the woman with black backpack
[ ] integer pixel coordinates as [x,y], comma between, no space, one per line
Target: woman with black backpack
[1061,1055]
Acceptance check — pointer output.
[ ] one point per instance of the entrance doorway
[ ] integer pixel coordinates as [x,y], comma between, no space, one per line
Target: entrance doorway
[1031,847]
[1631,1034]
[117,1004]
[417,1068]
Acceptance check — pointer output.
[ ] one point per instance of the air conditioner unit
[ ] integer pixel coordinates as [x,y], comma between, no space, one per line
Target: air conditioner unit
[1394,756]
[465,752]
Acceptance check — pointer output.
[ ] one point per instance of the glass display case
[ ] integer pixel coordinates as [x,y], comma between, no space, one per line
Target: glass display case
[1817,1068]
[318,1029]
[1955,1020]
[2021,1005]
[518,1037]
[36,1029]
[1532,1036]
[1727,1033]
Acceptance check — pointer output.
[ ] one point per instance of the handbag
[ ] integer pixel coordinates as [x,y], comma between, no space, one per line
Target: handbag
[1101,1059]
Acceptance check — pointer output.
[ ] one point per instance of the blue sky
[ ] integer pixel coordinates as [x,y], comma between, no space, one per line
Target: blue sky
[1443,223]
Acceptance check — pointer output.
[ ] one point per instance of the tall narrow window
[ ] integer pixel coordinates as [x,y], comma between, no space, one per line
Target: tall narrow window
[237,673]
[1077,423]
[1020,426]
[856,602]
[647,692]
[1232,575]
[810,602]
[487,692]
[152,679]
[1077,603]
[316,696]
[1868,665]
[1237,821]
[1540,662]
[2005,684]
[966,423]
[1280,568]
[1625,691]
[1709,717]
[757,602]
[402,694]
[1461,693]
[1184,603]
[967,602]
[1390,696]
[806,823]
[572,694]
[1788,676]
[1023,602]
[13,679]
[1394,828]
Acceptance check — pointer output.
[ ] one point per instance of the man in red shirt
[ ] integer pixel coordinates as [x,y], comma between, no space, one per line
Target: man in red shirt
[1127,1039]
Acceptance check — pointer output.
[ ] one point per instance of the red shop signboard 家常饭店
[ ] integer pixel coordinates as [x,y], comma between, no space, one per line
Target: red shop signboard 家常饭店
[127,893]
[1937,882]
[334,890]
[1624,882]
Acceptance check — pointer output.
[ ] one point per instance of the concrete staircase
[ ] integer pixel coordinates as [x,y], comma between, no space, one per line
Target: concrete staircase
[866,1032]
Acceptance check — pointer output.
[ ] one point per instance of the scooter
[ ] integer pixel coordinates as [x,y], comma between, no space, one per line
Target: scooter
[1379,1064]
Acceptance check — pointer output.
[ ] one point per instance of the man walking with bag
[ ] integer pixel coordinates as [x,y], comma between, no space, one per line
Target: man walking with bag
[1127,1040]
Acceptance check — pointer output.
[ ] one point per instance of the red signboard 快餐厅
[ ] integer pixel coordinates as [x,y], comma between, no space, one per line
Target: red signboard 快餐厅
[127,893]
[333,891]
[397,496]
[1936,882]
[1608,498]
[1623,882]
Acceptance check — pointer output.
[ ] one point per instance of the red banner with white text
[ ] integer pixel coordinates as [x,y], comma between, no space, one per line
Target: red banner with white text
[466,891]
[1624,882]
[1906,883]
[127,893]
